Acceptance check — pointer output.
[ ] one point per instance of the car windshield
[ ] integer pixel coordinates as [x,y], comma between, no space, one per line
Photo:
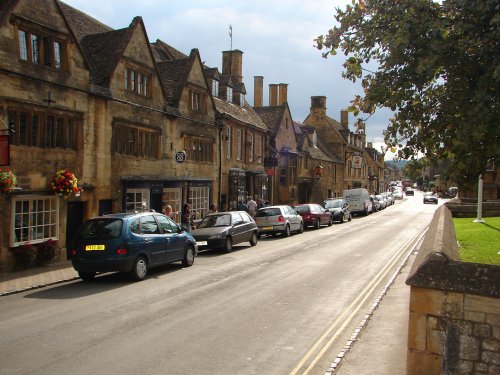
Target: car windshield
[263,212]
[333,204]
[100,228]
[302,209]
[215,221]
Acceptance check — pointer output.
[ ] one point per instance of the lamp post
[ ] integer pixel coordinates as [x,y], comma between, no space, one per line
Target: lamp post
[479,218]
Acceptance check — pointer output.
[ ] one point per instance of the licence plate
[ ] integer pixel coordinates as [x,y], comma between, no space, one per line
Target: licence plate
[202,243]
[266,228]
[94,247]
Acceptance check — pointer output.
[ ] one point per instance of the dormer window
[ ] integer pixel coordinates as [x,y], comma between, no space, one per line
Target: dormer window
[39,48]
[229,94]
[137,81]
[215,88]
[242,100]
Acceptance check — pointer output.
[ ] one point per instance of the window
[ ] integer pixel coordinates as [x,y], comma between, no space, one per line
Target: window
[198,101]
[215,88]
[132,141]
[137,200]
[41,48]
[242,100]
[238,144]
[228,142]
[229,94]
[198,149]
[48,130]
[35,219]
[259,149]
[250,147]
[199,198]
[137,81]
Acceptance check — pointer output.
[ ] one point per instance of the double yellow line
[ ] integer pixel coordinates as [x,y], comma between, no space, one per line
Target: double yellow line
[337,327]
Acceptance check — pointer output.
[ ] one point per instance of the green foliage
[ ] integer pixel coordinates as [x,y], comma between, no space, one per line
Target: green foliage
[438,70]
[478,242]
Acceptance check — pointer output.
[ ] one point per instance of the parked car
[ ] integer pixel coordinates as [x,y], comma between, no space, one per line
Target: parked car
[279,219]
[130,242]
[376,204]
[430,197]
[409,191]
[398,194]
[314,215]
[222,230]
[339,208]
[383,201]
[389,197]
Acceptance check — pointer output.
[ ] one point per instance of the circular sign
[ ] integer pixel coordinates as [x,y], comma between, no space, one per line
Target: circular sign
[180,156]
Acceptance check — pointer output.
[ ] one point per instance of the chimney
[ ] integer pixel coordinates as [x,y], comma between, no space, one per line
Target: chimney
[344,119]
[273,94]
[232,65]
[318,108]
[283,93]
[258,87]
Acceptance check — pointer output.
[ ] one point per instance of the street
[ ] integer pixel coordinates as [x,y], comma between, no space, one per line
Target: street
[285,306]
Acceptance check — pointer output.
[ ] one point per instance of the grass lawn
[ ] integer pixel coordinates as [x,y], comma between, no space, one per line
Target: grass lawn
[478,242]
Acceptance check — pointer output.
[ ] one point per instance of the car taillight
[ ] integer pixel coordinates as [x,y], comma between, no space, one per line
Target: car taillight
[308,216]
[281,219]
[122,250]
[73,252]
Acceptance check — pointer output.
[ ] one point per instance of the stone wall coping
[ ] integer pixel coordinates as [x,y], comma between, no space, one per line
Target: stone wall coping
[438,266]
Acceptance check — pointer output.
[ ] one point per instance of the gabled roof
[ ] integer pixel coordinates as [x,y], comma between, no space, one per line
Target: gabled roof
[165,52]
[272,116]
[240,87]
[245,115]
[211,73]
[334,125]
[173,76]
[226,80]
[305,143]
[80,23]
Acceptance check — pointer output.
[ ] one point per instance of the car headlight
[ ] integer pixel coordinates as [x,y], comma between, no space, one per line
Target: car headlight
[217,236]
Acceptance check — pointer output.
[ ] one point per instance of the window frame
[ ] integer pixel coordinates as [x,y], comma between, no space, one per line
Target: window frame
[137,81]
[41,48]
[32,214]
[135,142]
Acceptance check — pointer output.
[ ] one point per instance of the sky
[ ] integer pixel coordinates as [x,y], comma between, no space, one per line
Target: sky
[276,38]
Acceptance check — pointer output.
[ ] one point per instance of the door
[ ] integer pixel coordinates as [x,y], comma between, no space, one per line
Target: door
[155,243]
[174,244]
[74,219]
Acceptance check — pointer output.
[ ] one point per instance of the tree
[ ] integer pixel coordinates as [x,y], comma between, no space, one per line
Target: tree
[437,68]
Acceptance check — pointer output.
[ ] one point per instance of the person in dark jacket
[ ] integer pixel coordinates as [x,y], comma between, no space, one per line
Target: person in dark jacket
[187,217]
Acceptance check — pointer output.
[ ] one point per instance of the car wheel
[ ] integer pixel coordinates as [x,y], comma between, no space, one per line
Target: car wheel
[86,276]
[140,269]
[341,221]
[317,224]
[287,231]
[253,240]
[188,257]
[350,217]
[301,228]
[228,247]
[330,222]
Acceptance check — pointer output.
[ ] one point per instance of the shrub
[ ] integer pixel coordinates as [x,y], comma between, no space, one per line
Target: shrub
[24,254]
[46,251]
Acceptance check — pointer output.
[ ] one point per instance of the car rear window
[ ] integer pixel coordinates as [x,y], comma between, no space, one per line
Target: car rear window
[302,209]
[263,212]
[100,228]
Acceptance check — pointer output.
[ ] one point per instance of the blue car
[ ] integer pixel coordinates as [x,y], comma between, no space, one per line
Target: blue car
[130,242]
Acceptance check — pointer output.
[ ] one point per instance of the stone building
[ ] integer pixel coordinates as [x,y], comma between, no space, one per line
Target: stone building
[339,140]
[83,97]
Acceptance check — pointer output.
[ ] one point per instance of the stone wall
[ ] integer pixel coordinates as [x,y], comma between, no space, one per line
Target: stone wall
[467,207]
[454,320]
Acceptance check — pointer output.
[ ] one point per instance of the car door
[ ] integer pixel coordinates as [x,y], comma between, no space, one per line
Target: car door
[174,244]
[154,242]
[294,218]
[248,227]
[238,227]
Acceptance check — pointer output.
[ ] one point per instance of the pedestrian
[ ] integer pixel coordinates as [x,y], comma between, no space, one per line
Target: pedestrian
[186,217]
[167,211]
[212,209]
[242,206]
[252,206]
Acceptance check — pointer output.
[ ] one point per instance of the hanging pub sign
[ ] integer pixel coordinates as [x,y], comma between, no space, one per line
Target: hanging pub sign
[4,150]
[357,161]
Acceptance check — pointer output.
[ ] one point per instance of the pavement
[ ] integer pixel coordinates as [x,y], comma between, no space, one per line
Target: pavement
[377,346]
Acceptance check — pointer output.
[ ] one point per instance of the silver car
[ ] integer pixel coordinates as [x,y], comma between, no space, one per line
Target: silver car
[279,219]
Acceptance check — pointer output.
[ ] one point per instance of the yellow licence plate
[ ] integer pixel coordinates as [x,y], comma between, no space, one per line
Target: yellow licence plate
[266,228]
[94,247]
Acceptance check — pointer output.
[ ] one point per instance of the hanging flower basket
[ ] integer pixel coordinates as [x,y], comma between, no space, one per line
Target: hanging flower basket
[65,183]
[8,180]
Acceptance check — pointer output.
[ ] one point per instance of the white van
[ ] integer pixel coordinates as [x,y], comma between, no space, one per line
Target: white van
[359,201]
